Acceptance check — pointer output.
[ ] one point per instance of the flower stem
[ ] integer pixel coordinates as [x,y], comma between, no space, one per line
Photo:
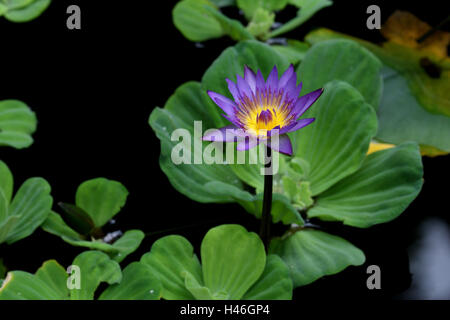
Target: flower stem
[267,201]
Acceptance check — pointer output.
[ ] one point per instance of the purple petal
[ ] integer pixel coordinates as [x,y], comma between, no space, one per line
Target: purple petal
[243,87]
[260,82]
[234,90]
[272,79]
[290,90]
[296,125]
[306,101]
[283,145]
[248,143]
[226,134]
[233,119]
[228,106]
[250,77]
[286,77]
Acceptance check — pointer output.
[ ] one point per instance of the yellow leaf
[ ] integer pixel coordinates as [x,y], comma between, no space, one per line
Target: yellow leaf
[378,146]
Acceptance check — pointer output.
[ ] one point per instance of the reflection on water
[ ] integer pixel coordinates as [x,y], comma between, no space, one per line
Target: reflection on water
[430,261]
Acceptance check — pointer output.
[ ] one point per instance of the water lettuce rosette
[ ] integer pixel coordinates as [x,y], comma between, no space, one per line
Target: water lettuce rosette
[329,176]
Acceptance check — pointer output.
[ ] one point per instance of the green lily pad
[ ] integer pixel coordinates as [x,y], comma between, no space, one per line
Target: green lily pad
[232,259]
[338,140]
[27,211]
[55,276]
[233,263]
[49,283]
[101,199]
[171,258]
[195,22]
[414,105]
[17,124]
[23,10]
[138,283]
[20,285]
[402,118]
[274,284]
[387,182]
[343,60]
[95,267]
[190,103]
[6,182]
[311,254]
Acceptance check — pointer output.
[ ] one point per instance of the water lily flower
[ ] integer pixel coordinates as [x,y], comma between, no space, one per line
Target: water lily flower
[262,109]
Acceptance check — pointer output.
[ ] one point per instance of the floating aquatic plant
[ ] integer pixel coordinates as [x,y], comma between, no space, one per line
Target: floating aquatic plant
[329,175]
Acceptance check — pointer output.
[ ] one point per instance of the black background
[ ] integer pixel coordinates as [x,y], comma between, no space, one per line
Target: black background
[93,91]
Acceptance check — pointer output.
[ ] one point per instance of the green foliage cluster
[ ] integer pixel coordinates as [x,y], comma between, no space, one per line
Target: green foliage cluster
[330,176]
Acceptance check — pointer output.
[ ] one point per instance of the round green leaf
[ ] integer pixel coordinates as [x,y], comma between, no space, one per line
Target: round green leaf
[195,22]
[336,143]
[20,285]
[3,208]
[190,103]
[55,276]
[387,182]
[54,224]
[32,205]
[413,106]
[101,198]
[274,284]
[7,224]
[127,244]
[342,60]
[95,267]
[29,12]
[402,118]
[201,292]
[170,259]
[138,283]
[312,254]
[17,123]
[6,182]
[233,259]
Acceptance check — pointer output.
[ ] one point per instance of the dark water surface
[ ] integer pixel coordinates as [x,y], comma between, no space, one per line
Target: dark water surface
[93,91]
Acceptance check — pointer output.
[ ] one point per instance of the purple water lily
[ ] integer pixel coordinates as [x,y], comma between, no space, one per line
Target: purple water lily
[262,109]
